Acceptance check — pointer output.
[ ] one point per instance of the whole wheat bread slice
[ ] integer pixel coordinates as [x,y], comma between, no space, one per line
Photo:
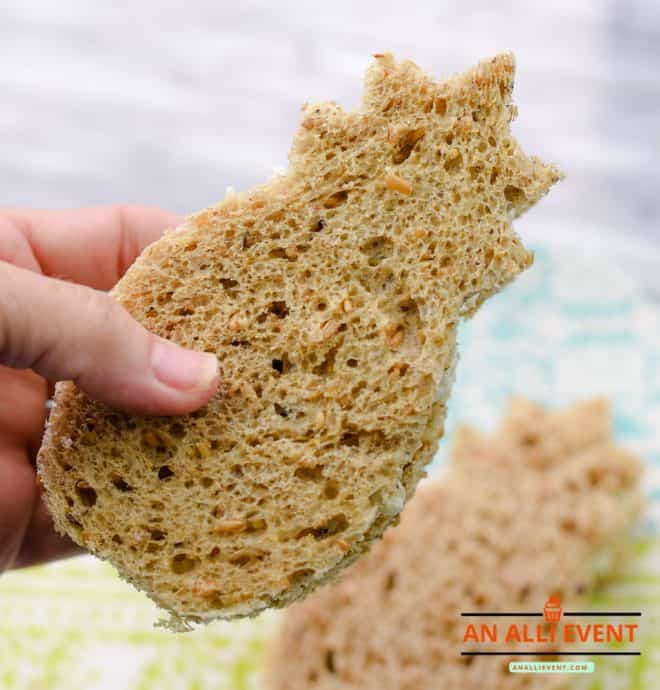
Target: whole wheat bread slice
[331,296]
[542,508]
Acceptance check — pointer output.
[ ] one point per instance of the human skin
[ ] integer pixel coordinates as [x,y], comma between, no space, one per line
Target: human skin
[57,322]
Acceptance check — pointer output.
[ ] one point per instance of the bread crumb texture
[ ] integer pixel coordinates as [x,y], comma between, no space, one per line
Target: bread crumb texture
[542,507]
[330,296]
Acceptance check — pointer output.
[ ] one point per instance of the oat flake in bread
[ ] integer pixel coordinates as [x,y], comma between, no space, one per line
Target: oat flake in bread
[544,507]
[331,296]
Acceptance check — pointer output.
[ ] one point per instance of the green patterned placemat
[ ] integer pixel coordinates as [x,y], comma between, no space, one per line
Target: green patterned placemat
[75,625]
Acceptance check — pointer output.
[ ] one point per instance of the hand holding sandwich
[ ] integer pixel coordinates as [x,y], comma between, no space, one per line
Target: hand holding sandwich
[57,322]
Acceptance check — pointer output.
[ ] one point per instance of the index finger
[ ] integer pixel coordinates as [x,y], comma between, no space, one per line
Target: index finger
[92,246]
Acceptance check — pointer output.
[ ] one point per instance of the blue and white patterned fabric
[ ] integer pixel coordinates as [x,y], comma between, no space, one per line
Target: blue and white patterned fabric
[569,328]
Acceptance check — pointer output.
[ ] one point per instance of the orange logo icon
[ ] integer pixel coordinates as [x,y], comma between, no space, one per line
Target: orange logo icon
[552,609]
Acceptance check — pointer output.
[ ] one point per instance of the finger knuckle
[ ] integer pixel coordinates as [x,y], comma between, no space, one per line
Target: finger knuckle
[102,310]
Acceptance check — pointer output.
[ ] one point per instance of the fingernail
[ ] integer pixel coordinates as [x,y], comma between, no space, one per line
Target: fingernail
[185,370]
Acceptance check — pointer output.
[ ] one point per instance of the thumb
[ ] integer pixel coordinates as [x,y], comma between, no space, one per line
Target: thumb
[65,331]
